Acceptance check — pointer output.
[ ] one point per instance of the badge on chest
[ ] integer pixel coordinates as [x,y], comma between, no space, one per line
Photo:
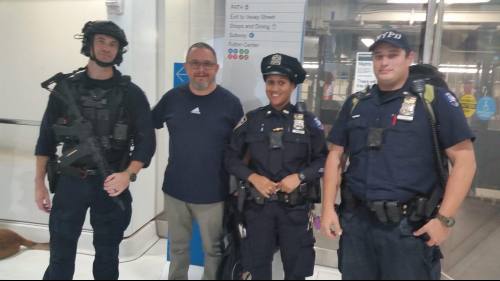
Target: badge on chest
[407,111]
[299,125]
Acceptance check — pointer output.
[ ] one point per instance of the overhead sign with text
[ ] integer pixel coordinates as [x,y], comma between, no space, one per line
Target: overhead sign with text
[255,29]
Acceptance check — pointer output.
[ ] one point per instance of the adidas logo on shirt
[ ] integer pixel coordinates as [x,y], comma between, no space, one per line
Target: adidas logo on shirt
[196,111]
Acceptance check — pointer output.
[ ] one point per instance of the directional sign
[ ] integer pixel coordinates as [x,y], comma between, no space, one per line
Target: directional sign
[486,108]
[180,75]
[254,30]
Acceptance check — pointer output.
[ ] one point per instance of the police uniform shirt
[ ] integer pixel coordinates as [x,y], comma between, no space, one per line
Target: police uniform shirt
[137,106]
[301,140]
[199,129]
[404,165]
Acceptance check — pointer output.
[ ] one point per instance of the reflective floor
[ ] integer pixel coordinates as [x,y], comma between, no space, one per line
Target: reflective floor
[151,266]
[474,247]
[471,253]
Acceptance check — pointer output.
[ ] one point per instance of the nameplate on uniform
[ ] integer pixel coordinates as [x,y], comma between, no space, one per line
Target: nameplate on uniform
[299,125]
[407,111]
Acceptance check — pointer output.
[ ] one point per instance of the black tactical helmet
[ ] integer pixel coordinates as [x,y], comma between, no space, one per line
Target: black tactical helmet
[109,28]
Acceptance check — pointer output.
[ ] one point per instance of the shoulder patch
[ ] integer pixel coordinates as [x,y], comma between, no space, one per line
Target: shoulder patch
[318,124]
[241,123]
[452,99]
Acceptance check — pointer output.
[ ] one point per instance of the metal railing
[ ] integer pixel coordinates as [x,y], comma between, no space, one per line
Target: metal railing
[20,122]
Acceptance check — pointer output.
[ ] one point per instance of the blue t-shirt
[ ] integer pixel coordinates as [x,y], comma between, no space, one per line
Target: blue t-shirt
[404,166]
[200,128]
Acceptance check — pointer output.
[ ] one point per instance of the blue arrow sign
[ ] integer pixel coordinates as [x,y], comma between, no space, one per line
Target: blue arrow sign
[180,75]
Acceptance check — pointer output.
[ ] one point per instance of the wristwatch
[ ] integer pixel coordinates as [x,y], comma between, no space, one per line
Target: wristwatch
[302,177]
[446,221]
[132,176]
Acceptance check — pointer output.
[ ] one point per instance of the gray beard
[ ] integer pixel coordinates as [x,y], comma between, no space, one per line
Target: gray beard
[200,86]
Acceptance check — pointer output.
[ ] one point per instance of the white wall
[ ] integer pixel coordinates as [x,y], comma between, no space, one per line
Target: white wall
[37,42]
[185,22]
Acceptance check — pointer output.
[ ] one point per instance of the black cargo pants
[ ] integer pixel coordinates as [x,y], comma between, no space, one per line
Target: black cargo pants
[74,196]
[276,225]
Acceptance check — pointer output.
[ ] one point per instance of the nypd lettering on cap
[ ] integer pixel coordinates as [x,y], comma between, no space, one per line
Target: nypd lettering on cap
[390,34]
[452,100]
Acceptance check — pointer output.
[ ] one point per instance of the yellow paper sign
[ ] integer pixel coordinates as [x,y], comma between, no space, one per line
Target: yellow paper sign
[469,105]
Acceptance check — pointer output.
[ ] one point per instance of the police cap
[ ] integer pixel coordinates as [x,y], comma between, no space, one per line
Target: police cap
[394,38]
[280,64]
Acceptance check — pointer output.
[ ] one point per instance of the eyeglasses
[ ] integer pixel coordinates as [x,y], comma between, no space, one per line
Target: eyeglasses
[199,64]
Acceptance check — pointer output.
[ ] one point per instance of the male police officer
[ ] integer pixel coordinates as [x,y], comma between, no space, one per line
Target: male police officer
[390,228]
[280,150]
[120,120]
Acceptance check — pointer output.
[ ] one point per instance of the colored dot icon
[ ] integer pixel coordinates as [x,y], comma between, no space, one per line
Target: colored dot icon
[238,54]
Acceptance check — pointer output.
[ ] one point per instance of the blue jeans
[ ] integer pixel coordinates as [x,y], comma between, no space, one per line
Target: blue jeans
[371,250]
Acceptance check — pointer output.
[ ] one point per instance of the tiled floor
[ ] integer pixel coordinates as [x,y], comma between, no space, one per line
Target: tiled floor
[151,266]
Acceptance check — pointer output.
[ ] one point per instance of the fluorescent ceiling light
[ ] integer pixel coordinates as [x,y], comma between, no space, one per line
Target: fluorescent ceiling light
[459,65]
[368,42]
[459,68]
[462,17]
[311,65]
[446,1]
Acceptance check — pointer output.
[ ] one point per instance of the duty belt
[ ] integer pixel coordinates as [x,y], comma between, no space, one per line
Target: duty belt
[389,211]
[394,212]
[78,172]
[295,198]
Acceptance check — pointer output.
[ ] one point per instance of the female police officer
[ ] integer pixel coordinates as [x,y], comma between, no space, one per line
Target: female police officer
[280,150]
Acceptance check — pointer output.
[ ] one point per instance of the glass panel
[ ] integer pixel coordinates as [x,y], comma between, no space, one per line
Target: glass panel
[336,31]
[470,59]
[17,171]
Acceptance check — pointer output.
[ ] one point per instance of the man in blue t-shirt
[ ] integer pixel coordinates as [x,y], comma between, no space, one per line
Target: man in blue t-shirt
[398,205]
[200,118]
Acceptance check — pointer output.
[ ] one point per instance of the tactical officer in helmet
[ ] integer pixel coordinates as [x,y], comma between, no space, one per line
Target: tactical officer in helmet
[103,122]
[279,150]
[398,200]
